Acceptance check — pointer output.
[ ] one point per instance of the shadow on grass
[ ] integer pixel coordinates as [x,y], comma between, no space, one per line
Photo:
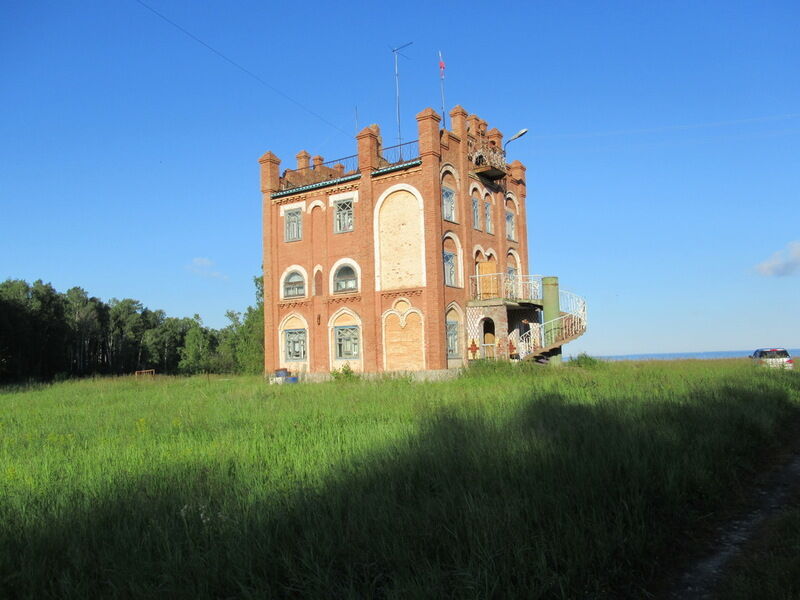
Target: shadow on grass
[564,500]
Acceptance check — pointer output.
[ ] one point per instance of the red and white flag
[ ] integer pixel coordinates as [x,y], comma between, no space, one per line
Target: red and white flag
[441,64]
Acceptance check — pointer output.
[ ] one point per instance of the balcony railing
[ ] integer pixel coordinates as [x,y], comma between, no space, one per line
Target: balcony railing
[489,161]
[523,288]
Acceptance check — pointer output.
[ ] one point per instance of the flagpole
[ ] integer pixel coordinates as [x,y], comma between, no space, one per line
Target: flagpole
[441,85]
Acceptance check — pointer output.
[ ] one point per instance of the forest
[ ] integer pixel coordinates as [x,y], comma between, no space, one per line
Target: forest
[46,334]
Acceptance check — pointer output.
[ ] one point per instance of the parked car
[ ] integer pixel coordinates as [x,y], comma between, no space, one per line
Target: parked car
[773,357]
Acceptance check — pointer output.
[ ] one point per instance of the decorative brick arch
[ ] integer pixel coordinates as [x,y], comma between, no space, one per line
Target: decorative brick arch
[352,318]
[418,231]
[283,326]
[403,334]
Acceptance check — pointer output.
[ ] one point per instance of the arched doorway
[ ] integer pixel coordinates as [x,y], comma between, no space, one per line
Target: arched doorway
[487,339]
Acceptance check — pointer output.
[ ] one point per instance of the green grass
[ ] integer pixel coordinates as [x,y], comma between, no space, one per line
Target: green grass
[516,480]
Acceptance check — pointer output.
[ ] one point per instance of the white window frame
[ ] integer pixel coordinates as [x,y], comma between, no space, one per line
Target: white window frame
[292,217]
[337,215]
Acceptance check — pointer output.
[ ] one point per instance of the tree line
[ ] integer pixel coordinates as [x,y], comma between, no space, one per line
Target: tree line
[45,334]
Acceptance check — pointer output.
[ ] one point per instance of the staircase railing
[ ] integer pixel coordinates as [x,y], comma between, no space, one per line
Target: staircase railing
[569,325]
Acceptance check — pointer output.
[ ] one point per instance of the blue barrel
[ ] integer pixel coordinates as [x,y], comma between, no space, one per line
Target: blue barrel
[290,380]
[281,372]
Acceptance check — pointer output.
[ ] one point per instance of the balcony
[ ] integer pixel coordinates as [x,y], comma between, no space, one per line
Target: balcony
[502,286]
[489,161]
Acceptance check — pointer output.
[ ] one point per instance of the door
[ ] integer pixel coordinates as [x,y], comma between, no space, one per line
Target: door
[488,284]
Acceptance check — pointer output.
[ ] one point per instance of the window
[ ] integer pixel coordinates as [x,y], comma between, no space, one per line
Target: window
[345,280]
[487,212]
[294,225]
[510,233]
[295,344]
[476,213]
[294,285]
[512,273]
[453,347]
[346,341]
[449,268]
[448,204]
[343,216]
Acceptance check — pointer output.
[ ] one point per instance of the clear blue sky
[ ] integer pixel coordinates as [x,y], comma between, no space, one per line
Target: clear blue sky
[663,155]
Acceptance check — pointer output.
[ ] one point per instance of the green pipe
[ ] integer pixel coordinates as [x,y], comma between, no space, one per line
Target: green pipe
[552,311]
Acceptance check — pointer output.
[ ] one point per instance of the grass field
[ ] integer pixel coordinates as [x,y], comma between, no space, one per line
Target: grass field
[770,565]
[511,481]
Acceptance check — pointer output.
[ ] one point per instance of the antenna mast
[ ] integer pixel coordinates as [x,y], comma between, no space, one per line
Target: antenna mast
[396,51]
[441,84]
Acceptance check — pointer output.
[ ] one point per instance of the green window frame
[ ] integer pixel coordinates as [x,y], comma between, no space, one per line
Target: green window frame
[295,342]
[346,342]
[453,345]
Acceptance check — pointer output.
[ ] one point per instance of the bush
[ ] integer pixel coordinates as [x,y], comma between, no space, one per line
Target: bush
[585,361]
[345,374]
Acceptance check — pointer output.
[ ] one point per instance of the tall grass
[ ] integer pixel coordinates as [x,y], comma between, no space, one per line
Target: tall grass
[515,480]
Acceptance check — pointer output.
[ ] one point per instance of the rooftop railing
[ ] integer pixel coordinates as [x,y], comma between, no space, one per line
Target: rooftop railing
[317,173]
[399,154]
[346,166]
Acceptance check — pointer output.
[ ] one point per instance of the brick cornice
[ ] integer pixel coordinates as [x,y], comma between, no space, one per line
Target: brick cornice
[343,299]
[402,293]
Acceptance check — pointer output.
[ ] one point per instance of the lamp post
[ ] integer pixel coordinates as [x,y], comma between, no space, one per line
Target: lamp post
[517,135]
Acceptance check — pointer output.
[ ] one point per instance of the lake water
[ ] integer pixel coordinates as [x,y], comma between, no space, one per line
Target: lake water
[795,353]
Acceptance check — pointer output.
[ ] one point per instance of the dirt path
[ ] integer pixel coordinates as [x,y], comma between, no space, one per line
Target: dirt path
[769,497]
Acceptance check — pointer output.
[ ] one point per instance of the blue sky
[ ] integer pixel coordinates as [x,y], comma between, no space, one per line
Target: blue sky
[663,155]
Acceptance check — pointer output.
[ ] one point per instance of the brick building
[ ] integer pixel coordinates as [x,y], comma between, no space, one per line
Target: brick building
[405,258]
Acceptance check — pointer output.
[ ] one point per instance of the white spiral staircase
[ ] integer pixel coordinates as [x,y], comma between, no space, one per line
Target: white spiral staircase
[541,338]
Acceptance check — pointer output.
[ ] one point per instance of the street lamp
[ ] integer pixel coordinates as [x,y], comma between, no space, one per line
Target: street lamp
[517,135]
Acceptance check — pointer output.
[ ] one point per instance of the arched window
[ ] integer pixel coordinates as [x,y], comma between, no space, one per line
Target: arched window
[511,221]
[293,336]
[294,286]
[512,265]
[449,212]
[345,280]
[487,214]
[476,210]
[451,257]
[453,333]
